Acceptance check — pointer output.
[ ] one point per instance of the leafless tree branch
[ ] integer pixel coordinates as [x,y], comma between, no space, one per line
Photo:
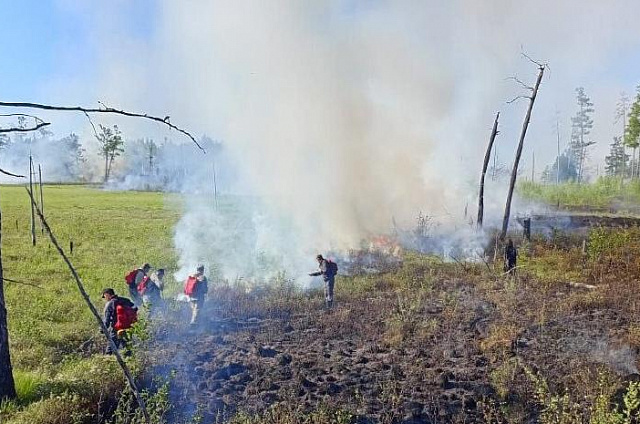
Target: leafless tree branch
[516,79]
[104,109]
[10,174]
[93,309]
[518,98]
[17,129]
[540,65]
[23,115]
[95,133]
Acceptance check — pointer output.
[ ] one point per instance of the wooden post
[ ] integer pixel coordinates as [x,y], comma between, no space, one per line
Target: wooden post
[514,171]
[33,216]
[487,156]
[558,147]
[41,196]
[215,185]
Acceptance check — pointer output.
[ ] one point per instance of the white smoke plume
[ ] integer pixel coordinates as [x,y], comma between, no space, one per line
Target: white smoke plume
[342,117]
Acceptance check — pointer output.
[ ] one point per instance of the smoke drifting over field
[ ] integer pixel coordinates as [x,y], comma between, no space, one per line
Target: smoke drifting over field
[343,116]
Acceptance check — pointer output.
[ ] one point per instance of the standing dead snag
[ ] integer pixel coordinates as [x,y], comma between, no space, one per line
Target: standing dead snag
[487,156]
[525,125]
[95,313]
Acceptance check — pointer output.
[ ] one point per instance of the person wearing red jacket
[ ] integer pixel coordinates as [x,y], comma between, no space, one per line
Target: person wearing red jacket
[196,287]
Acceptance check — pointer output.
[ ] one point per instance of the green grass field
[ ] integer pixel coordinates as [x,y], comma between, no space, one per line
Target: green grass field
[604,195]
[112,233]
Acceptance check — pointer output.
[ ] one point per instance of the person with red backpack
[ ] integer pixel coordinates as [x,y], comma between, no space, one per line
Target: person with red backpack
[134,279]
[196,287]
[119,315]
[328,269]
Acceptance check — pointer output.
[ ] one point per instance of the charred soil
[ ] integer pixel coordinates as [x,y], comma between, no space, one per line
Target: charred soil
[426,342]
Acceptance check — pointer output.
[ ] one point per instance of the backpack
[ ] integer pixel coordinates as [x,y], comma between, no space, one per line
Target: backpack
[190,285]
[125,316]
[332,268]
[130,278]
[142,285]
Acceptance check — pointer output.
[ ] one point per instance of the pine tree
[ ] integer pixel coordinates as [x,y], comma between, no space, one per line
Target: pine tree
[581,128]
[632,130]
[566,166]
[617,160]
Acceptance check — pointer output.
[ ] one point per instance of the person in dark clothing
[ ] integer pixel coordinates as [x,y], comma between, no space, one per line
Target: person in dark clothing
[196,287]
[116,325]
[328,275]
[510,257]
[154,285]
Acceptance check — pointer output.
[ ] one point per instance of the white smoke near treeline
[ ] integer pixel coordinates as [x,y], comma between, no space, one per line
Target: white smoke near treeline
[55,159]
[343,119]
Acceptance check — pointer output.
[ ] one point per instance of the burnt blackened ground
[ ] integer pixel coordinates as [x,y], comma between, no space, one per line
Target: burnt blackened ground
[426,343]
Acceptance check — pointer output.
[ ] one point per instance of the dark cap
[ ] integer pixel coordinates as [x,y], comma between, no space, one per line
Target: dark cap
[146,266]
[109,292]
[319,257]
[200,268]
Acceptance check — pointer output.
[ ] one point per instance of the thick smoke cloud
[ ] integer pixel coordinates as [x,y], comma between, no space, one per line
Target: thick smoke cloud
[344,116]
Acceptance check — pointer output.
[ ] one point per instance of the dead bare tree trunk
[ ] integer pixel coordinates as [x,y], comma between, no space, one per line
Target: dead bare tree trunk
[514,171]
[7,385]
[485,165]
[95,313]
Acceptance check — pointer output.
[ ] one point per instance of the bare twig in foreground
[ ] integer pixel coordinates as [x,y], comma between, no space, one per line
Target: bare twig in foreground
[95,313]
[18,129]
[10,173]
[104,109]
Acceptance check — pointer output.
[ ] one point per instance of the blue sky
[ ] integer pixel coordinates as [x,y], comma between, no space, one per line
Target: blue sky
[34,34]
[51,52]
[45,40]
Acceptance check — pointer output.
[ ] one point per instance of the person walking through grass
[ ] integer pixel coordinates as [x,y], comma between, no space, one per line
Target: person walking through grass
[119,315]
[196,287]
[328,269]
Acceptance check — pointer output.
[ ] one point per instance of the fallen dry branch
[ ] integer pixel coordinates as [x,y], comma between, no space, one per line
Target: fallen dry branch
[24,283]
[104,109]
[95,313]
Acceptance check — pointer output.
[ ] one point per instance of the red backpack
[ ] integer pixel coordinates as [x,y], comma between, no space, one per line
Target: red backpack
[142,285]
[125,316]
[190,285]
[130,278]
